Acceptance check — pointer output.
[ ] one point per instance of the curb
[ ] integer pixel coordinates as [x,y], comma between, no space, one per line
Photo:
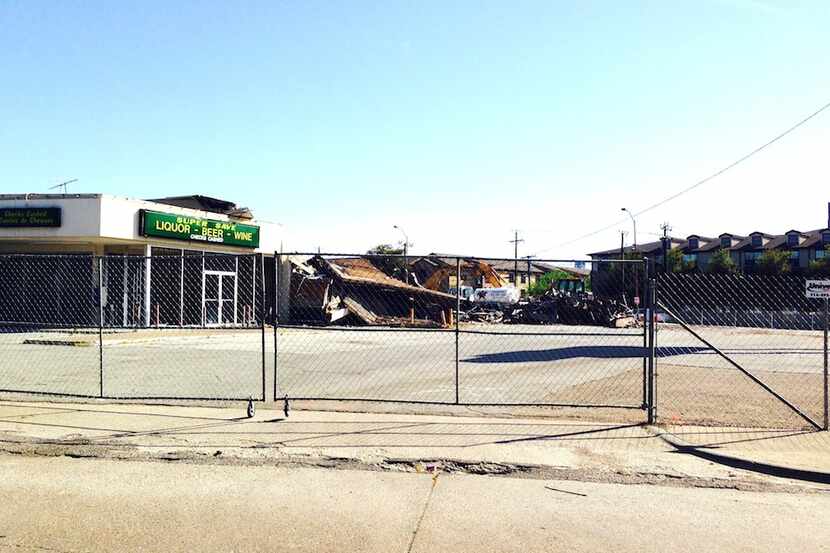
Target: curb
[767,469]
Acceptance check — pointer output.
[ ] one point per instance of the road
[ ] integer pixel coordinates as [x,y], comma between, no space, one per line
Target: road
[72,505]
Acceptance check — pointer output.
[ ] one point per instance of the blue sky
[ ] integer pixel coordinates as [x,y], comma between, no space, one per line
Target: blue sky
[459,121]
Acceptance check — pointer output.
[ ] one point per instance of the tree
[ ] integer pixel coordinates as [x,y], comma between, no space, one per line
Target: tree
[773,262]
[721,263]
[385,249]
[820,267]
[390,262]
[544,282]
[674,260]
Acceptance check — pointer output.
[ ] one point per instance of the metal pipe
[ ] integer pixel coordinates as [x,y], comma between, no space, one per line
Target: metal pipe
[261,311]
[276,319]
[457,323]
[100,327]
[652,354]
[826,308]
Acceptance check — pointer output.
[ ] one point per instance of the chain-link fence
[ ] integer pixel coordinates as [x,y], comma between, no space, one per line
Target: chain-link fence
[176,325]
[451,330]
[49,325]
[739,350]
[460,330]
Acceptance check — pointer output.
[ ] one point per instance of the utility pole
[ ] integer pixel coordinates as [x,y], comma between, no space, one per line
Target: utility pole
[528,257]
[515,243]
[666,228]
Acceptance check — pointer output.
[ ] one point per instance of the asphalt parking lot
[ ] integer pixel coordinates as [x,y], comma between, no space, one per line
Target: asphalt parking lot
[500,364]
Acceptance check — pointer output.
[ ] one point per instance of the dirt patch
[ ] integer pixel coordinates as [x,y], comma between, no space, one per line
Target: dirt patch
[690,395]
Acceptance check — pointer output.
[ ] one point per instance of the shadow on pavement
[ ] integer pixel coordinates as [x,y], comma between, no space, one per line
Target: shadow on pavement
[752,466]
[573,352]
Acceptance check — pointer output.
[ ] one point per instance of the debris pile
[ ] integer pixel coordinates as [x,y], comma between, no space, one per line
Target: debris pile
[582,309]
[353,291]
[357,291]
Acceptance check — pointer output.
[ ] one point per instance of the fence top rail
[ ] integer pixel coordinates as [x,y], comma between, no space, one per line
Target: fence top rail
[456,256]
[194,254]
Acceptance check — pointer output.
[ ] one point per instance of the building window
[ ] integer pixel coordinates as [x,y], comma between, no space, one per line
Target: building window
[523,279]
[795,258]
[726,242]
[756,241]
[792,240]
[511,277]
[825,237]
[690,258]
[693,243]
[821,254]
[750,258]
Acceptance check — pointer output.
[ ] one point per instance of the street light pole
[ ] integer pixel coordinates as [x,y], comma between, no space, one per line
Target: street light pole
[405,252]
[636,276]
[634,222]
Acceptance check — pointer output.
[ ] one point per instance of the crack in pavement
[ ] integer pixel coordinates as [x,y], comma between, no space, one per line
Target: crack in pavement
[423,512]
[257,455]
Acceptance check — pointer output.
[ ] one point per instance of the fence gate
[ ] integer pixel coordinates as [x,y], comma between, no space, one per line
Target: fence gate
[439,330]
[739,350]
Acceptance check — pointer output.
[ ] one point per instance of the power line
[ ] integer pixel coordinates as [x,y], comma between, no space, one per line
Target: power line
[700,182]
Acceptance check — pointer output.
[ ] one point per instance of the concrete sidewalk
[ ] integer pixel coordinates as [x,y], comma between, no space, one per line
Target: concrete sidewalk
[481,445]
[102,505]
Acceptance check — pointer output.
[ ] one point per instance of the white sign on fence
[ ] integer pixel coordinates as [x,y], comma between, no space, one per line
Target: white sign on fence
[818,289]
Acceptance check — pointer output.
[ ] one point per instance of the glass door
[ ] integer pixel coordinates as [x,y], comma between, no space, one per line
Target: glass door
[219,302]
[210,304]
[227,293]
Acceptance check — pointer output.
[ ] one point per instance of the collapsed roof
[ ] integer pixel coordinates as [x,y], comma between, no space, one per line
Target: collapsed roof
[356,290]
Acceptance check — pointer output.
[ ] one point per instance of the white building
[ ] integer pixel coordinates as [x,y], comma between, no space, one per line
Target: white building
[179,261]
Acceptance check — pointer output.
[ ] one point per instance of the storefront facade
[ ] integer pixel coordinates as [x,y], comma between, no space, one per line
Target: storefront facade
[143,263]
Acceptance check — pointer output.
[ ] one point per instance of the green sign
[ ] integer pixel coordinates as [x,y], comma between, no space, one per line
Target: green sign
[195,229]
[30,217]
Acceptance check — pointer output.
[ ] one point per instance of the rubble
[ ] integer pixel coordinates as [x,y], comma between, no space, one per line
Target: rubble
[355,291]
[553,308]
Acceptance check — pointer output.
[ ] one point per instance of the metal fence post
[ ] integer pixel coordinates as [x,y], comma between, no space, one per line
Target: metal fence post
[457,323]
[276,319]
[652,351]
[101,327]
[262,314]
[645,336]
[826,308]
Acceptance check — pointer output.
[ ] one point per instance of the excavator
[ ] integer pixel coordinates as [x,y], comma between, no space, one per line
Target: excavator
[479,268]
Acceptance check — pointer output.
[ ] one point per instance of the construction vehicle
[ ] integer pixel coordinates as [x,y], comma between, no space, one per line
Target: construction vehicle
[479,269]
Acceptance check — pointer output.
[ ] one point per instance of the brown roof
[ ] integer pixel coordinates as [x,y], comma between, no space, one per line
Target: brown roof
[362,271]
[703,242]
[647,248]
[813,238]
[747,241]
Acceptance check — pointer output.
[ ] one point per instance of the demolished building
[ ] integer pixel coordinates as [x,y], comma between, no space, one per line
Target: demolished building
[355,291]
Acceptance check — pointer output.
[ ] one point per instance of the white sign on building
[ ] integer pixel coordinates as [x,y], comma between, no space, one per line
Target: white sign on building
[818,289]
